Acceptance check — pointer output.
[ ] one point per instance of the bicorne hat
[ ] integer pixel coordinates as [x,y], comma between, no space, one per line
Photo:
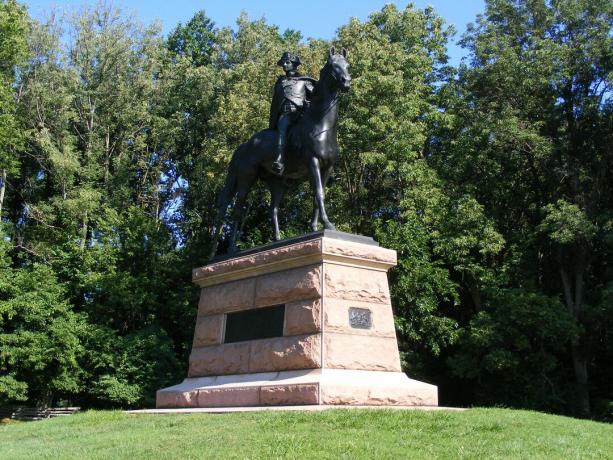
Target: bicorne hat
[289,57]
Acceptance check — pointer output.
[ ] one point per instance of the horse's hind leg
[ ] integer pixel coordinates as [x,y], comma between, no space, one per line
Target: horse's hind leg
[325,176]
[223,201]
[318,191]
[240,210]
[277,187]
[217,230]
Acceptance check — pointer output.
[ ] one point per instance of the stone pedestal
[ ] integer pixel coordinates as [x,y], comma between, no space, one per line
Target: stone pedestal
[330,338]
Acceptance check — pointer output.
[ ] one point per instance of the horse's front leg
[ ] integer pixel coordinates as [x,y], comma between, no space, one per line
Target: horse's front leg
[318,191]
[277,187]
[315,220]
[325,176]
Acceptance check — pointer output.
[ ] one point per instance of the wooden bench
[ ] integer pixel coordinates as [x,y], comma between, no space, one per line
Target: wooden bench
[35,413]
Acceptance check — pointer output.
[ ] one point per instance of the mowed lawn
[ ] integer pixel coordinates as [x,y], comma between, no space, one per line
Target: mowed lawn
[476,433]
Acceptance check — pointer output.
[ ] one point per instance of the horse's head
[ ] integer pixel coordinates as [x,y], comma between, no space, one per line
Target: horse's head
[338,69]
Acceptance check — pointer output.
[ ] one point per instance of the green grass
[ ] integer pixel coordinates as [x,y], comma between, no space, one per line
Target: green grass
[477,433]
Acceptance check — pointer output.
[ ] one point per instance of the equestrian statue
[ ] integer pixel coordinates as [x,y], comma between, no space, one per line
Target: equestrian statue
[300,143]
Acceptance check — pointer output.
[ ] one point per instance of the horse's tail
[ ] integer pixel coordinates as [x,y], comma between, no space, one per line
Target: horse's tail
[225,197]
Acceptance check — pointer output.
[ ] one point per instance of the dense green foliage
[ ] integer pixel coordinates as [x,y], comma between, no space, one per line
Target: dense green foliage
[492,181]
[532,143]
[357,433]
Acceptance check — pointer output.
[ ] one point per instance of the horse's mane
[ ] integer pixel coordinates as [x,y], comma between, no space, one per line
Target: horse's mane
[322,71]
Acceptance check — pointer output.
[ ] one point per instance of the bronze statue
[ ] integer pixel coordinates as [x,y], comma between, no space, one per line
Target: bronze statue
[291,96]
[311,151]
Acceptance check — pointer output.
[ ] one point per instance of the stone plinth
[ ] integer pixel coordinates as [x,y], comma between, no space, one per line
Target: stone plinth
[337,343]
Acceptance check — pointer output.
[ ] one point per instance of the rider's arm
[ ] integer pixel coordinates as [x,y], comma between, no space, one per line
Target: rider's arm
[309,89]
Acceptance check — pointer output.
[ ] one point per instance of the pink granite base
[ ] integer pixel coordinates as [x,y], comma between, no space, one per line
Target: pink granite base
[325,356]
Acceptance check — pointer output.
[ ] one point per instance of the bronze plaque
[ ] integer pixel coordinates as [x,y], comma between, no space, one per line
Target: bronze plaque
[359,318]
[260,323]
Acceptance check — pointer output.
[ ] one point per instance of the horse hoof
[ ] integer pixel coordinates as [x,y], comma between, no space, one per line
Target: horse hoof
[329,226]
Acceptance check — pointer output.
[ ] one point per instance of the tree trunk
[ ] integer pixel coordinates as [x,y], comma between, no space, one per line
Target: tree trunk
[574,304]
[2,189]
[580,363]
[475,292]
[83,231]
[107,155]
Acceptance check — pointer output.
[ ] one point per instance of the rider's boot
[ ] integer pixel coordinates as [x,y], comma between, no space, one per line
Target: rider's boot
[279,164]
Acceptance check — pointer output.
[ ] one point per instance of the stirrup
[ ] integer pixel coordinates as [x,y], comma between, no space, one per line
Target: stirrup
[278,167]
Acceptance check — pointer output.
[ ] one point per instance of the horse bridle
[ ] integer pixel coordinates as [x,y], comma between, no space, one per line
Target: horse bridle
[330,72]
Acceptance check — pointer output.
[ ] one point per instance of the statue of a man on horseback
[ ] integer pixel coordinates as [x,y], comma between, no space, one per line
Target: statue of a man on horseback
[291,96]
[308,150]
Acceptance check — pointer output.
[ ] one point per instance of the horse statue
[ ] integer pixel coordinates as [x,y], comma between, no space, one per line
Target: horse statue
[311,152]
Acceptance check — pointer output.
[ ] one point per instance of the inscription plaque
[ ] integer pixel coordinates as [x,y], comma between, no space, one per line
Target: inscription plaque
[261,323]
[359,318]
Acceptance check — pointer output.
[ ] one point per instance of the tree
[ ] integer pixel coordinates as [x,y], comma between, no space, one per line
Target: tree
[194,40]
[40,335]
[89,202]
[532,142]
[13,50]
[387,186]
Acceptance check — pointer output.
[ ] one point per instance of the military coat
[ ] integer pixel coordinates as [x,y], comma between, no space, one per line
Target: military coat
[295,90]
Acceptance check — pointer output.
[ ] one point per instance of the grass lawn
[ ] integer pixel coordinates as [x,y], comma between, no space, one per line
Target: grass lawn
[477,433]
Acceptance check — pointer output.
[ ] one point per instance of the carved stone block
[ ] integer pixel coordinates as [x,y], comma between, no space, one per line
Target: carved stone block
[302,317]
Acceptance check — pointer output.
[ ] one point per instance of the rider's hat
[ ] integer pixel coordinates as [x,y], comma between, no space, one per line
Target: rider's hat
[287,56]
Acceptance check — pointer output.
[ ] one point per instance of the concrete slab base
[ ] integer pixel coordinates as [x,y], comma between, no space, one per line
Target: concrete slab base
[312,408]
[310,387]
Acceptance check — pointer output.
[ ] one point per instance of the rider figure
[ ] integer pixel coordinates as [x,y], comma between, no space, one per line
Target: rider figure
[291,97]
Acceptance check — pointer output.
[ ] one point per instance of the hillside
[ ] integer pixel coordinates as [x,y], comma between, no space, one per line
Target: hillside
[476,433]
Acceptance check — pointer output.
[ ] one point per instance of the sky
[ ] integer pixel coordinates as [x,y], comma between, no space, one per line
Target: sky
[314,18]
